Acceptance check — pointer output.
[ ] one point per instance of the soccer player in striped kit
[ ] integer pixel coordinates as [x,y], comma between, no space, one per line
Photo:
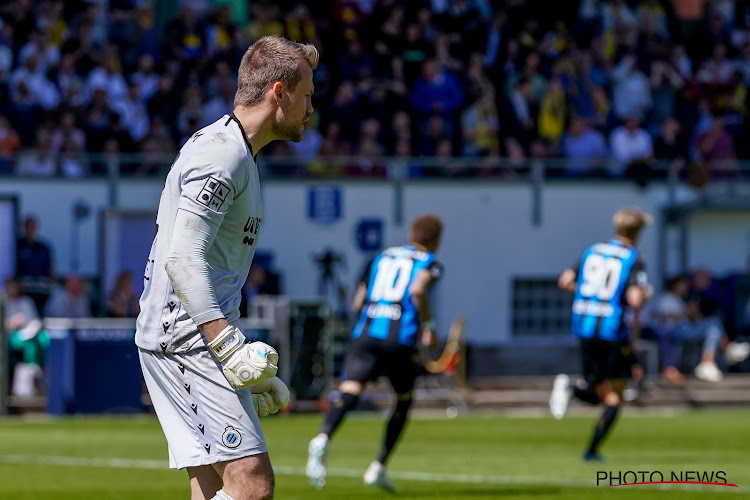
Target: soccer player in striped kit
[609,278]
[395,316]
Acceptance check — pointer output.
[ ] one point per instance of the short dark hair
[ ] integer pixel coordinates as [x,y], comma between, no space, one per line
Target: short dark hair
[426,229]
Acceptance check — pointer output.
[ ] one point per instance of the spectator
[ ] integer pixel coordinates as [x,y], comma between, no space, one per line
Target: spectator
[670,144]
[718,69]
[70,301]
[481,127]
[34,264]
[355,63]
[665,83]
[133,113]
[66,133]
[122,301]
[630,145]
[584,147]
[631,94]
[552,113]
[146,77]
[716,146]
[677,323]
[27,341]
[437,93]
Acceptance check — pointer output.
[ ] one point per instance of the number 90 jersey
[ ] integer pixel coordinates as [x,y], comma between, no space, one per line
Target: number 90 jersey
[389,312]
[605,271]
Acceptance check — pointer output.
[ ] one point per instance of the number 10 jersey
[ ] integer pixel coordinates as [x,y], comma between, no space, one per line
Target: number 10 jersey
[389,312]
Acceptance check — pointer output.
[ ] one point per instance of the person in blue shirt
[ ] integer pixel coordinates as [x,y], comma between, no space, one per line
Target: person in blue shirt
[395,315]
[608,279]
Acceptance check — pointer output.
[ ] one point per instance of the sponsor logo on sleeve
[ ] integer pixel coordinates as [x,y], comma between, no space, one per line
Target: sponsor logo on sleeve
[214,194]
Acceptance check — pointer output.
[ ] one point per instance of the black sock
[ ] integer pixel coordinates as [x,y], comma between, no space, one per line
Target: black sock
[339,407]
[394,428]
[586,395]
[603,426]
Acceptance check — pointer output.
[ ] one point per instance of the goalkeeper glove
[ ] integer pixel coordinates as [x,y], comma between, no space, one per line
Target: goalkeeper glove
[244,365]
[270,396]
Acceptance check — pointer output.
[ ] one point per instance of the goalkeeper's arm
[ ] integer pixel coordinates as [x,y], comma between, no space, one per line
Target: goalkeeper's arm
[243,364]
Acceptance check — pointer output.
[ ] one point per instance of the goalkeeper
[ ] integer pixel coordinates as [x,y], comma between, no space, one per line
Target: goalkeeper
[208,386]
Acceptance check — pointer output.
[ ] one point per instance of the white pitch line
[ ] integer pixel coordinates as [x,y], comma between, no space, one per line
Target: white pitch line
[286,470]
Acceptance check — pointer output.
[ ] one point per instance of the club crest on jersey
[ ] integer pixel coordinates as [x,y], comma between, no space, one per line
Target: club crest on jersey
[231,437]
[214,194]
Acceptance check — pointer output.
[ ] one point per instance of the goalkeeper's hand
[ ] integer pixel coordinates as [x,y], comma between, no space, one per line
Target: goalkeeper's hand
[244,365]
[270,396]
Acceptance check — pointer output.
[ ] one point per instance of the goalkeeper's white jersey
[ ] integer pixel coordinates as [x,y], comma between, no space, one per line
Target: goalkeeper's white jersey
[215,177]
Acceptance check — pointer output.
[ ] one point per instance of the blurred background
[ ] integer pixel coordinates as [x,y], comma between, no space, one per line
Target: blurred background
[523,124]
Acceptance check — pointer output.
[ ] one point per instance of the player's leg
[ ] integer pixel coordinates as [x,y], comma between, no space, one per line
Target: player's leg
[204,482]
[609,382]
[612,401]
[401,368]
[359,366]
[205,421]
[563,389]
[247,478]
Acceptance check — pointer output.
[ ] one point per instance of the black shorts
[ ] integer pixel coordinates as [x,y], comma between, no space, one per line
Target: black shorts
[369,358]
[605,360]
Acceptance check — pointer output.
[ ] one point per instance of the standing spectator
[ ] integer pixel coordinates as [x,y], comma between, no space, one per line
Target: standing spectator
[552,113]
[122,301]
[665,83]
[70,301]
[438,93]
[34,264]
[631,91]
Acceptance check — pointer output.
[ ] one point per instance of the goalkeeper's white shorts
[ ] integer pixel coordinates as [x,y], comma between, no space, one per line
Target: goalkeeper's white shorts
[204,419]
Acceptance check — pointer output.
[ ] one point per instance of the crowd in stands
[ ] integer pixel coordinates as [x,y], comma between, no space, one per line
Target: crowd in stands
[607,84]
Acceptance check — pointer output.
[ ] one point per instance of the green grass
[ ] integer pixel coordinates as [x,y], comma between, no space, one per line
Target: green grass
[468,458]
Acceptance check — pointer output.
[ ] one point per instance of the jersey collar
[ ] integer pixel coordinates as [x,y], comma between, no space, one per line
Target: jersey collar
[233,117]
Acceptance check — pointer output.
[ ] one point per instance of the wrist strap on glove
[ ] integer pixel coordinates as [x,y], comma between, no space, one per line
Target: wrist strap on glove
[226,343]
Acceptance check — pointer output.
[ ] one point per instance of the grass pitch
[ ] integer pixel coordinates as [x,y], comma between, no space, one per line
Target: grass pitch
[467,458]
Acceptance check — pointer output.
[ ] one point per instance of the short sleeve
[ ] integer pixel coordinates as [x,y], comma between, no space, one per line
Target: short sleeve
[211,180]
[436,270]
[638,276]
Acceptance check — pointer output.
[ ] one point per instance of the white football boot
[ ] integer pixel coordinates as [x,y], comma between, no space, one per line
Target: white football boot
[560,397]
[375,476]
[316,460]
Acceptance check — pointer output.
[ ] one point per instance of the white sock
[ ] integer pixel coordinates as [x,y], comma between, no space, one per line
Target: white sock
[220,495]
